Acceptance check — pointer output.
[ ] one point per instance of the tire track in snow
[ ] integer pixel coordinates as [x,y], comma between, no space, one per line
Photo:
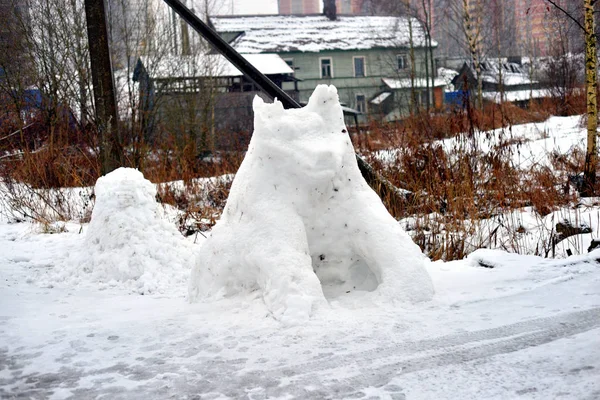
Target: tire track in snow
[337,376]
[556,329]
[378,366]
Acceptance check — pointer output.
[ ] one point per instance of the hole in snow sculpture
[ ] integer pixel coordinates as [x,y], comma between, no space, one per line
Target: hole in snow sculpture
[128,242]
[301,224]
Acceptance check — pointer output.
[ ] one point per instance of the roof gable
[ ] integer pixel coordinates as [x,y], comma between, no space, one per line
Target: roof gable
[210,65]
[314,33]
[512,74]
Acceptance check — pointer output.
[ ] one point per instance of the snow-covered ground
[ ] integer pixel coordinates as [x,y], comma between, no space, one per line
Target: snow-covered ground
[499,326]
[528,328]
[531,144]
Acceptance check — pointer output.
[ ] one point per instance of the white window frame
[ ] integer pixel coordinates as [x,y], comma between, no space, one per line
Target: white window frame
[364,66]
[405,61]
[364,102]
[330,67]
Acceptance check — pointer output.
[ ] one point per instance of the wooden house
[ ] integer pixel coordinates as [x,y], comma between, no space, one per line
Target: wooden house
[502,81]
[357,54]
[203,94]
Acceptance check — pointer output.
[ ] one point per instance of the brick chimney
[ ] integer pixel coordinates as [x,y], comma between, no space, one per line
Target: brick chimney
[329,9]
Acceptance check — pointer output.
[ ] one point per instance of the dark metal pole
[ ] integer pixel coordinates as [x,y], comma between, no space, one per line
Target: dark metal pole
[260,80]
[382,186]
[111,150]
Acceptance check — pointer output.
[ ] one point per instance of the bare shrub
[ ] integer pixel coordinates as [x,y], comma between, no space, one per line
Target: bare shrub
[461,191]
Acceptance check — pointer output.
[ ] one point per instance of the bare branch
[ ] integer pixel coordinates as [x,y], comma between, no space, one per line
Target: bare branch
[566,13]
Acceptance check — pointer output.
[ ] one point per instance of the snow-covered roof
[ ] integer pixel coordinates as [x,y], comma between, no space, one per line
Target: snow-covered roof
[214,65]
[380,98]
[512,74]
[314,33]
[509,79]
[405,83]
[350,111]
[448,76]
[516,95]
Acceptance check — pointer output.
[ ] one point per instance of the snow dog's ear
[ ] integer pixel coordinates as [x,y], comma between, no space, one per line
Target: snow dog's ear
[265,114]
[257,103]
[325,102]
[266,110]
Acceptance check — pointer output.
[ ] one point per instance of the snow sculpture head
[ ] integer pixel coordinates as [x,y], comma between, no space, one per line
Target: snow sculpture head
[301,224]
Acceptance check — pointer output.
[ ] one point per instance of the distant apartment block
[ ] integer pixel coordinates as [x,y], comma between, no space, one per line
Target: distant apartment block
[531,21]
[507,27]
[542,27]
[287,7]
[349,6]
[299,7]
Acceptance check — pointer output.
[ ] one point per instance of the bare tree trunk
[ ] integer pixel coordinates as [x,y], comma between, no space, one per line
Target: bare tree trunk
[185,39]
[591,157]
[427,104]
[426,29]
[472,36]
[499,52]
[111,150]
[591,61]
[477,44]
[413,94]
[433,72]
[427,9]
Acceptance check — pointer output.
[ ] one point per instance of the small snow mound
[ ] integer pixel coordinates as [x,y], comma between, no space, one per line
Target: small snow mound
[128,242]
[302,225]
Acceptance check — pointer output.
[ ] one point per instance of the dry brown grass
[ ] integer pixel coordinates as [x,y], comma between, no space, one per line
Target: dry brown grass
[452,186]
[449,188]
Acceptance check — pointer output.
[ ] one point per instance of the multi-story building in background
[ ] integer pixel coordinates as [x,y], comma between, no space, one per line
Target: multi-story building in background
[507,28]
[14,16]
[297,7]
[307,7]
[531,16]
[350,7]
[544,30]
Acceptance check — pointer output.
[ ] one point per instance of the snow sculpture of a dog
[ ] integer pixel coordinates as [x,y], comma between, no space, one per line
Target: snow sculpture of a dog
[300,220]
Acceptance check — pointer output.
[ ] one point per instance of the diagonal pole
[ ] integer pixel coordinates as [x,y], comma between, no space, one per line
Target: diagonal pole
[384,188]
[257,77]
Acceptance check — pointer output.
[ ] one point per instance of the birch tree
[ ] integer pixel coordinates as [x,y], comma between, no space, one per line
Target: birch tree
[413,94]
[472,29]
[591,61]
[428,25]
[591,157]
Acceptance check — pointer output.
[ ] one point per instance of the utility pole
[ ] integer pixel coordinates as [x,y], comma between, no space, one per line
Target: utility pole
[111,148]
[382,186]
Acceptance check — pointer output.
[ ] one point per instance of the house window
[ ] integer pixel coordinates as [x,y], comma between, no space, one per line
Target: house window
[402,61]
[290,62]
[361,103]
[326,71]
[359,67]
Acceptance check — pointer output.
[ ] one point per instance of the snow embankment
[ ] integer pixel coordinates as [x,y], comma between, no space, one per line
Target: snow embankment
[301,224]
[128,242]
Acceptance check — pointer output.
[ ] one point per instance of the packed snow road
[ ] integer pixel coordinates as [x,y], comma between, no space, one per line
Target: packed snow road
[528,328]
